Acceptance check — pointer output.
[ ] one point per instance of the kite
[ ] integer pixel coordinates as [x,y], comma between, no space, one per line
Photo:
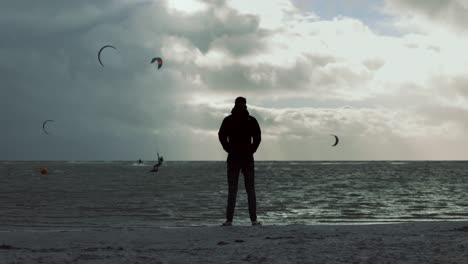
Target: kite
[160,61]
[336,140]
[43,125]
[99,53]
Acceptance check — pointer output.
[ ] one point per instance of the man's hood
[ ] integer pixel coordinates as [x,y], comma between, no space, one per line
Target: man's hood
[239,111]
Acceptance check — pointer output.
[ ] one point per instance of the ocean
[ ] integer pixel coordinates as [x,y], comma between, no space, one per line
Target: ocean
[86,194]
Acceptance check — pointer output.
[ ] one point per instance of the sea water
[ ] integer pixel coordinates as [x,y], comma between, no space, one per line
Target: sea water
[192,193]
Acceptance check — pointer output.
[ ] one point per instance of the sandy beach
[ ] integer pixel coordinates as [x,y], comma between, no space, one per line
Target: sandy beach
[421,242]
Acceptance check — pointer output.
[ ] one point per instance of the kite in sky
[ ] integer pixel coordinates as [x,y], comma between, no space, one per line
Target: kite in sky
[99,53]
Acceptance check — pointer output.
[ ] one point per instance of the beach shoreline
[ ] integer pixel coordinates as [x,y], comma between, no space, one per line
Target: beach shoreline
[413,242]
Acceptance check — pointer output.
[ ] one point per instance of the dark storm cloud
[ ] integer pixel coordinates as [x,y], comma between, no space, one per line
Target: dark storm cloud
[49,70]
[23,21]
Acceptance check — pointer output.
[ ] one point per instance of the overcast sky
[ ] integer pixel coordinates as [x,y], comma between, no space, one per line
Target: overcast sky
[389,77]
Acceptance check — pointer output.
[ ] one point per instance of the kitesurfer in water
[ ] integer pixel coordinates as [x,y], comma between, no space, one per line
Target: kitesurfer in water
[140,161]
[156,166]
[240,137]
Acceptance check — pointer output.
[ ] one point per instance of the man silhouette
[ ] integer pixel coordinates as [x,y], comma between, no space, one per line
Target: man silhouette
[240,137]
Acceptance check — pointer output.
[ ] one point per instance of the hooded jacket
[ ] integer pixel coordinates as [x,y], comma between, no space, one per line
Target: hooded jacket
[239,133]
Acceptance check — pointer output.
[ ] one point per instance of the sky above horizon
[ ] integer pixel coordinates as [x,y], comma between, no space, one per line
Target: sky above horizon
[388,77]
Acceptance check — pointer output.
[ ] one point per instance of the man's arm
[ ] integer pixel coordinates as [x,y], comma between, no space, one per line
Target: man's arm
[222,136]
[257,136]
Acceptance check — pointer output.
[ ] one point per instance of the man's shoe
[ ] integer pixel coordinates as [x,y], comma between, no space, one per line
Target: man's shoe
[227,223]
[256,223]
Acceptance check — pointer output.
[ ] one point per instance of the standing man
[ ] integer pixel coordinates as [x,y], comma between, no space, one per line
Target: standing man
[240,137]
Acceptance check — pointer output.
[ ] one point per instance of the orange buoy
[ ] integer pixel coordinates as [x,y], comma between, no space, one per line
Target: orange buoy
[44,171]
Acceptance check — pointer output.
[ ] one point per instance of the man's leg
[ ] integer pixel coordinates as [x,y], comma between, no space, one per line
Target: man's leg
[249,180]
[233,171]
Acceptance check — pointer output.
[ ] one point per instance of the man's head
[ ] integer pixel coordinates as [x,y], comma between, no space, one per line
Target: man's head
[241,101]
[240,107]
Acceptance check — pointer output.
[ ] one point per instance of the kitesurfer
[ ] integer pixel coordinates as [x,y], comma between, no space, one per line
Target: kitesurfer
[240,137]
[156,166]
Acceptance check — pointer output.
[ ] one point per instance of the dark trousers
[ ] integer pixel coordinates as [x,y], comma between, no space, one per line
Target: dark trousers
[233,170]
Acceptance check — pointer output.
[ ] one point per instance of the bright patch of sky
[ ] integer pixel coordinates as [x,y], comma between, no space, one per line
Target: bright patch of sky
[367,11]
[187,6]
